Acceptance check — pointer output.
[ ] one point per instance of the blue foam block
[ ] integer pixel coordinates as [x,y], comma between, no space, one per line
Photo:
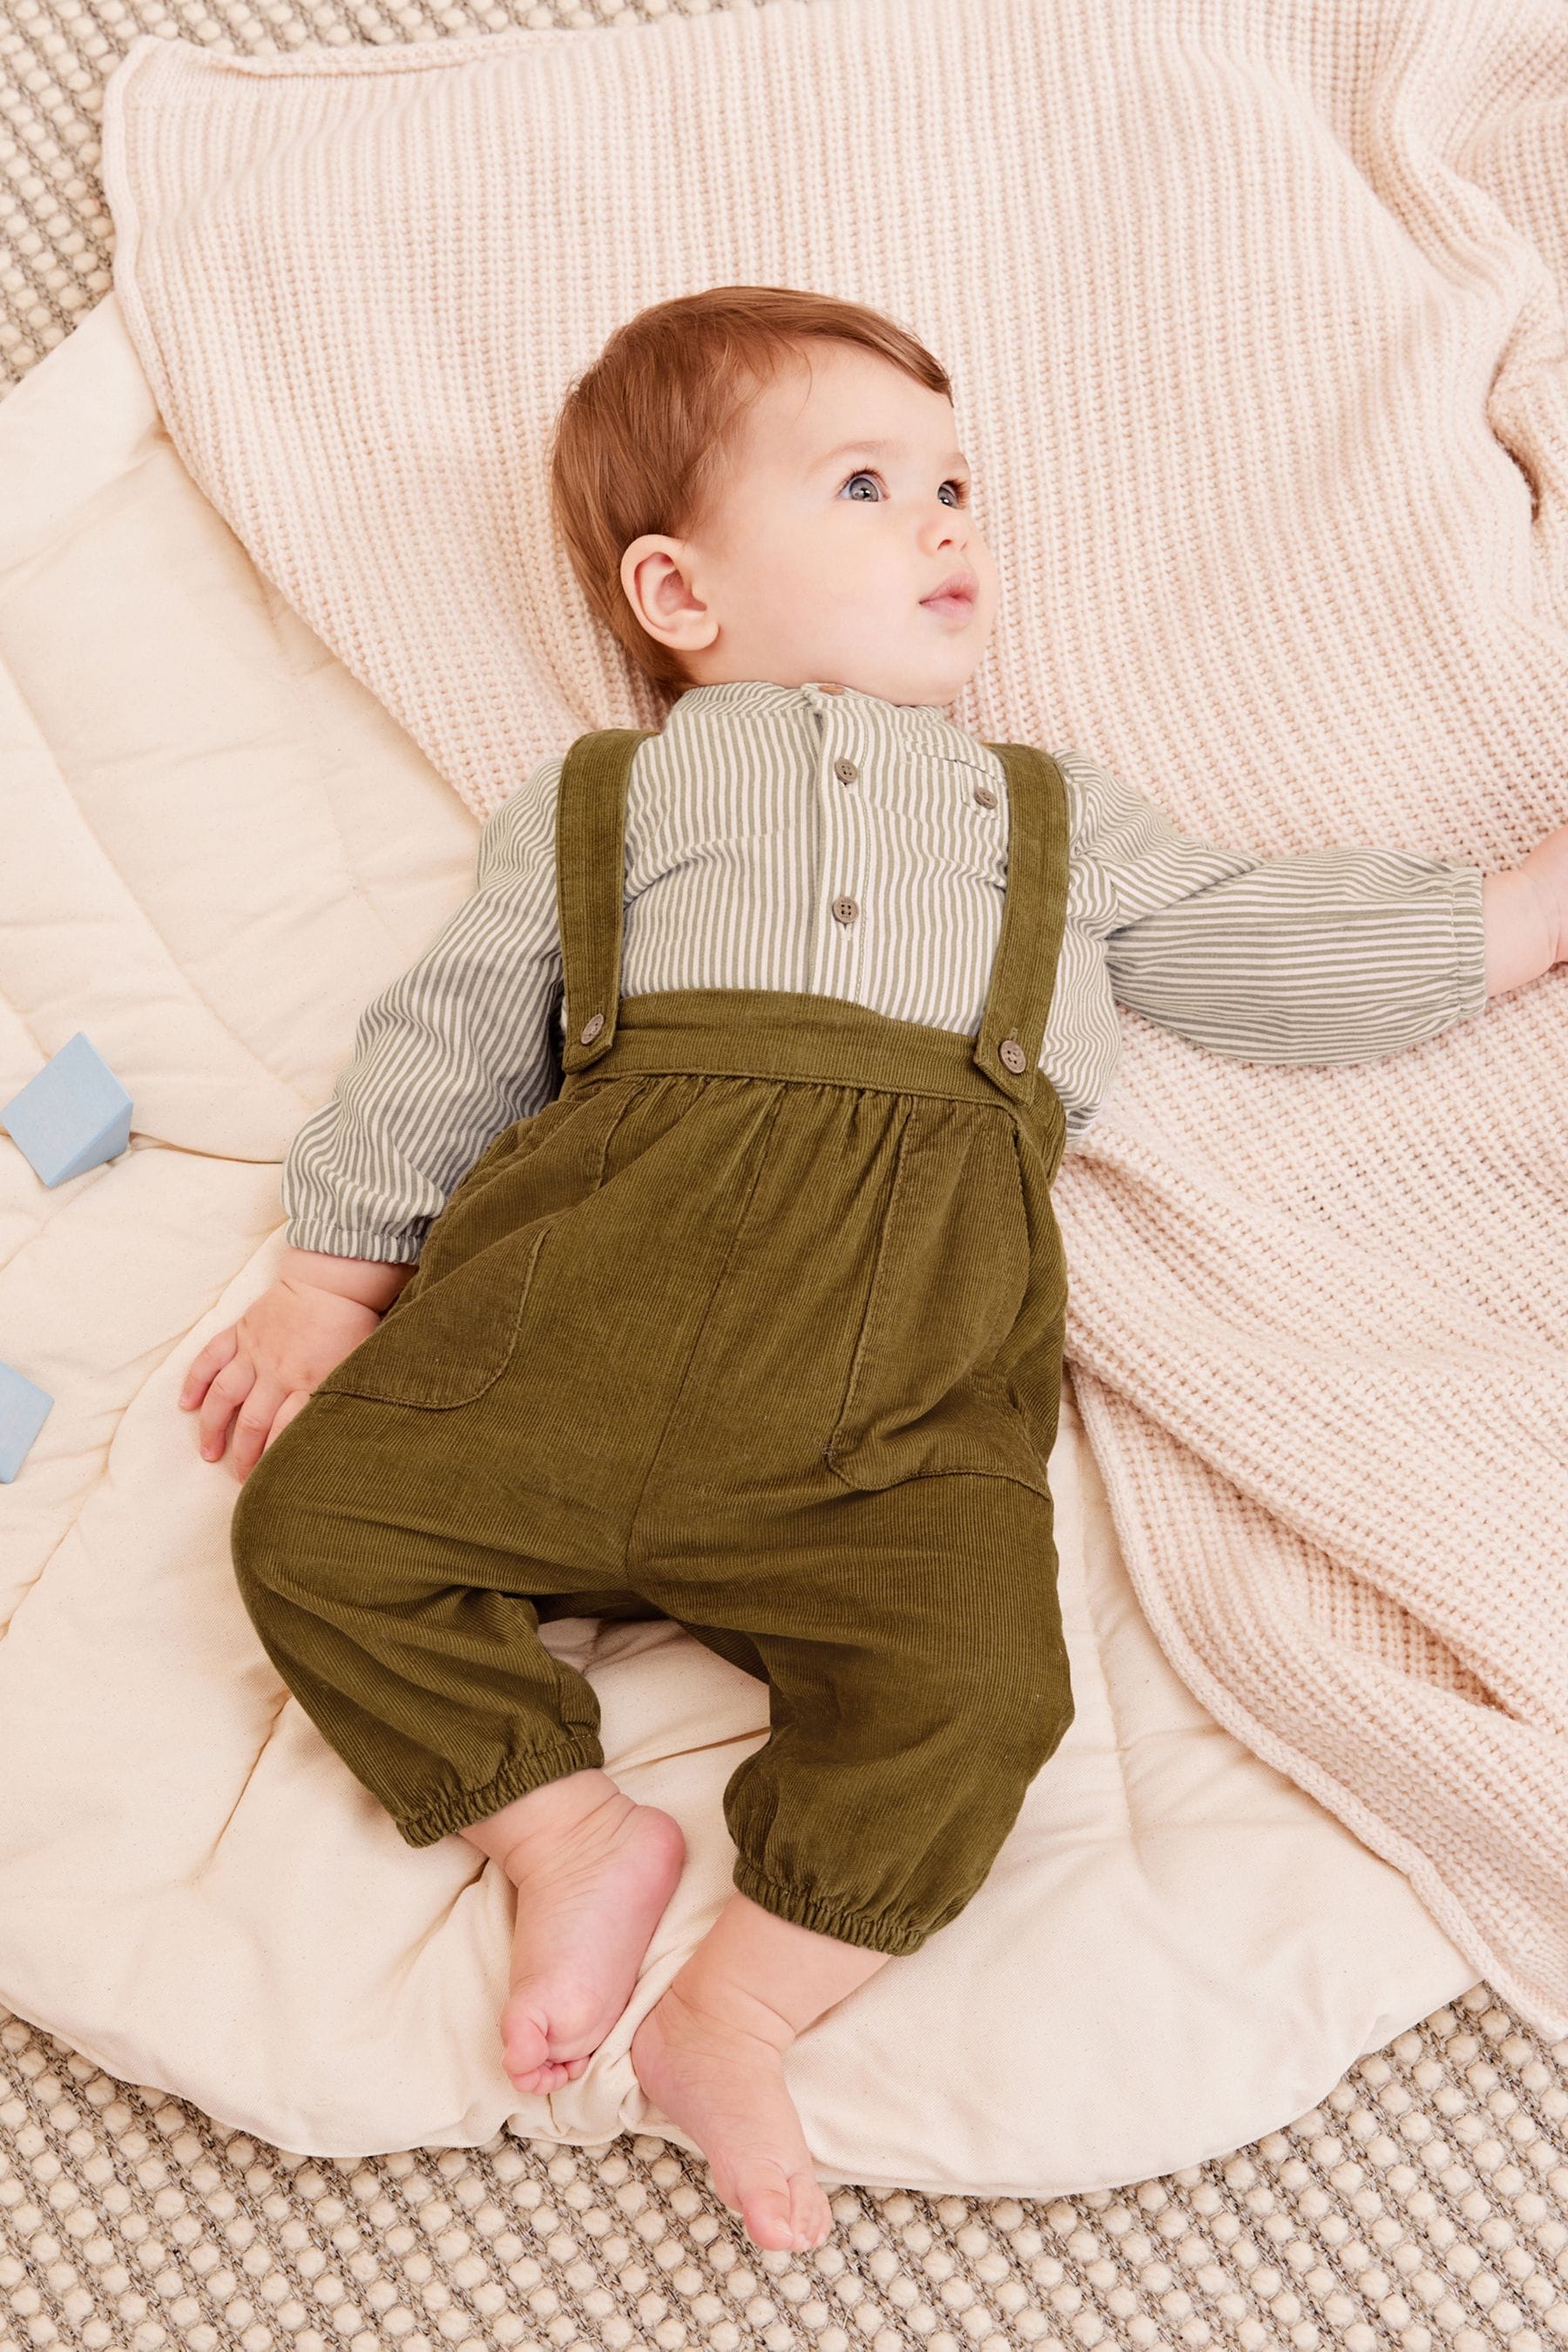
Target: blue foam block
[73,1114]
[24,1408]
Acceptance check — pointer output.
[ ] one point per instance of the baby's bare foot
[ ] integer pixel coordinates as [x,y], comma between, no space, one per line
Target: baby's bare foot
[710,2072]
[589,1895]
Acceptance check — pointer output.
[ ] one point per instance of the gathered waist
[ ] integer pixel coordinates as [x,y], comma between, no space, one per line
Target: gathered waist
[764,1033]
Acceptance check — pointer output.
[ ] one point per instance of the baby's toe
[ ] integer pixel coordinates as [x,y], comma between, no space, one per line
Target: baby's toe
[525,2040]
[810,2213]
[766,2211]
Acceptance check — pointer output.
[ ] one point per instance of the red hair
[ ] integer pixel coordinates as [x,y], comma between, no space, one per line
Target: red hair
[645,435]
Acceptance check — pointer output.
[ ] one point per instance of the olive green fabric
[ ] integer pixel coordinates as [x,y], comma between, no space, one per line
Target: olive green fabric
[757,1326]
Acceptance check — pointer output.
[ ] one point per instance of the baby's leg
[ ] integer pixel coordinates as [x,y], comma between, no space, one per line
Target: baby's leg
[377,1549]
[918,1682]
[594,1872]
[709,2054]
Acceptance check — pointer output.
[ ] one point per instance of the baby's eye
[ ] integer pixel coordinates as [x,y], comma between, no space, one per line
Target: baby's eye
[864,474]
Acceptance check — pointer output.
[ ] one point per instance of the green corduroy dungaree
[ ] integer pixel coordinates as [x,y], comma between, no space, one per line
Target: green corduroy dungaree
[757,1325]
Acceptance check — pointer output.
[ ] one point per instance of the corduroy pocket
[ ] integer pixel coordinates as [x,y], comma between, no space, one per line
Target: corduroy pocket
[951,1274]
[450,1333]
[443,1340]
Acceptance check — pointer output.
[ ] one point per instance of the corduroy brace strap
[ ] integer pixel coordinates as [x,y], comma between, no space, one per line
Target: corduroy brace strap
[590,879]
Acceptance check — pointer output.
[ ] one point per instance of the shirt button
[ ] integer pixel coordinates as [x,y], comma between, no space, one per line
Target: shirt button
[846,770]
[1012,1053]
[846,909]
[591,1027]
[833,690]
[984,795]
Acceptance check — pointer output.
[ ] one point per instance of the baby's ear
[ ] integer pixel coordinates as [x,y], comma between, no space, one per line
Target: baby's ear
[656,576]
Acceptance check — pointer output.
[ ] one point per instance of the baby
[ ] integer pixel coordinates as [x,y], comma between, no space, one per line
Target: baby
[680,1241]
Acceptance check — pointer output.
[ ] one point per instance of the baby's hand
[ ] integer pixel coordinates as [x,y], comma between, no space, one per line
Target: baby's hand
[1524,914]
[260,1371]
[1547,864]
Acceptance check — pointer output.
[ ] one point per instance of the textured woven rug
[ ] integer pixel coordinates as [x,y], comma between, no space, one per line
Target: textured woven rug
[1419,2205]
[1423,2204]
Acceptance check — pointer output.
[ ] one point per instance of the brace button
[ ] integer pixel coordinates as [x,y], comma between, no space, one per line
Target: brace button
[1012,1053]
[984,795]
[591,1028]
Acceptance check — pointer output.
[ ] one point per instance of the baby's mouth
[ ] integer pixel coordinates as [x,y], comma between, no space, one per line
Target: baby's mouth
[955,597]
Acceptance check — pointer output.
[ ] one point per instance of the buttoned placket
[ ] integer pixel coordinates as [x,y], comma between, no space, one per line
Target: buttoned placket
[842,914]
[841,919]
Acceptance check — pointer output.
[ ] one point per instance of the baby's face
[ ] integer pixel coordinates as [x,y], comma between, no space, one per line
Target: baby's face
[818,559]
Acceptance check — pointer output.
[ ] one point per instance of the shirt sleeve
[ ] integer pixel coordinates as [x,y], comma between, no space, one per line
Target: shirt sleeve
[1337,955]
[451,1051]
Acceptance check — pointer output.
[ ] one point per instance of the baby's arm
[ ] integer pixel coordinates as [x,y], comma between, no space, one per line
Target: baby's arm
[447,1054]
[1337,955]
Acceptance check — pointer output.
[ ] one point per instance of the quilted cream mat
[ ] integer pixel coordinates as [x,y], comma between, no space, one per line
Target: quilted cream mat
[1423,2204]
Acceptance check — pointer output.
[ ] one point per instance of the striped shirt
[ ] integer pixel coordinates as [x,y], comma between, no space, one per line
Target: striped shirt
[755,811]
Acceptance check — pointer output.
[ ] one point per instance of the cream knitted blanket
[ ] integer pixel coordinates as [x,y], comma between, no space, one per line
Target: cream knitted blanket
[1254,312]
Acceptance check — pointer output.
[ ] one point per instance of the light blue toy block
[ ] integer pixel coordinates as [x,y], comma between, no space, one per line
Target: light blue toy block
[71,1115]
[24,1410]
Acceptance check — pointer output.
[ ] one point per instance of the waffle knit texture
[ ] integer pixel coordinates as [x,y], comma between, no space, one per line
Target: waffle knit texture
[1255,318]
